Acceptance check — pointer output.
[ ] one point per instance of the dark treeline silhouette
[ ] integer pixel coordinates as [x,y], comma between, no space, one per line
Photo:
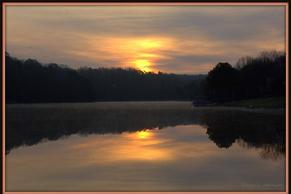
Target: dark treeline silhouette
[264,131]
[28,81]
[263,76]
[130,84]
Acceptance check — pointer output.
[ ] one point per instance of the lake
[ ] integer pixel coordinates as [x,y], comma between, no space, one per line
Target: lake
[143,146]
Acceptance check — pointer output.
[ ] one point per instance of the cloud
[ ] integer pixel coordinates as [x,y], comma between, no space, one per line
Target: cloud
[111,35]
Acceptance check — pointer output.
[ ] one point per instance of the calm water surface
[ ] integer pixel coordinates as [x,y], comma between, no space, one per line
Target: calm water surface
[144,146]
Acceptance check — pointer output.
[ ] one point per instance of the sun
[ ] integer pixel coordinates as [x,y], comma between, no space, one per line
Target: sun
[141,53]
[146,52]
[143,65]
[143,134]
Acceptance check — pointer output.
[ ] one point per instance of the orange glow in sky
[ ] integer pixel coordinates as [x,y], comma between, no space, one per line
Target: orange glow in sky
[149,43]
[145,53]
[141,53]
[143,65]
[143,134]
[170,39]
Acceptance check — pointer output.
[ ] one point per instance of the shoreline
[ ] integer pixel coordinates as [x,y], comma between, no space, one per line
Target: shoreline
[245,109]
[147,105]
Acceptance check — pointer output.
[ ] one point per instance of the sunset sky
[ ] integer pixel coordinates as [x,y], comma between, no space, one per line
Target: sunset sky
[173,39]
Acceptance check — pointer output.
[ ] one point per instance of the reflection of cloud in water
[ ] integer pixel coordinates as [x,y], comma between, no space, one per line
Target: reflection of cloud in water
[140,145]
[161,162]
[148,145]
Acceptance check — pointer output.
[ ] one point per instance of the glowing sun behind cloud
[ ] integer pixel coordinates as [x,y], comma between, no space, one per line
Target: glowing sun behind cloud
[144,134]
[141,53]
[149,43]
[143,65]
[172,39]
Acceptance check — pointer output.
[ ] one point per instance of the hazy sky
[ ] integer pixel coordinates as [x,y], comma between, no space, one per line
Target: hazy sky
[178,39]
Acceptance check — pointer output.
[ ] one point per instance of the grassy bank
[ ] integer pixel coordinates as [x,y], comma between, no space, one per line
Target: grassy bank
[275,102]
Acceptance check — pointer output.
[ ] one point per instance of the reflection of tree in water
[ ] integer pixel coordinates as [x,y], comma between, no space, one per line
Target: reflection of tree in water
[29,126]
[250,130]
[267,151]
[222,138]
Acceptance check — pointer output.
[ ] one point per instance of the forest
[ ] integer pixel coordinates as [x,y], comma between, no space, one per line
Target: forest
[29,81]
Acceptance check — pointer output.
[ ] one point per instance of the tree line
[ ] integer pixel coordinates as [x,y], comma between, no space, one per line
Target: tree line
[251,77]
[29,81]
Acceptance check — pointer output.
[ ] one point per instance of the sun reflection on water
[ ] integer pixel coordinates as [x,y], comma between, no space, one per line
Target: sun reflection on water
[143,145]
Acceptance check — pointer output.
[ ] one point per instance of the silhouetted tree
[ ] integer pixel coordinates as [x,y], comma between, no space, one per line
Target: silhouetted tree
[221,82]
[263,76]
